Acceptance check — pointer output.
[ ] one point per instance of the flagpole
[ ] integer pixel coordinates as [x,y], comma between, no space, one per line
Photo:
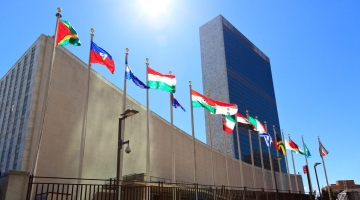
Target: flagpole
[123,111]
[225,154]
[172,136]
[327,182]
[193,135]
[83,132]
[292,156]
[147,128]
[307,166]
[287,163]
[277,154]
[271,161]
[262,160]
[239,152]
[45,98]
[211,142]
[252,153]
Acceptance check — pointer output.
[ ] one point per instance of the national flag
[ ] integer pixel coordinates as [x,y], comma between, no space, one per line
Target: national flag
[275,145]
[66,34]
[228,123]
[257,125]
[322,150]
[267,138]
[165,82]
[305,169]
[293,147]
[199,100]
[100,56]
[280,144]
[307,152]
[176,104]
[130,75]
[213,106]
[243,122]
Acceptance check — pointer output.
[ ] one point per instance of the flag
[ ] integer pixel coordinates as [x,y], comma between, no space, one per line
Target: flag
[176,104]
[280,144]
[257,125]
[307,152]
[165,82]
[130,75]
[243,122]
[100,56]
[275,145]
[322,150]
[213,106]
[66,34]
[293,147]
[305,169]
[267,138]
[228,123]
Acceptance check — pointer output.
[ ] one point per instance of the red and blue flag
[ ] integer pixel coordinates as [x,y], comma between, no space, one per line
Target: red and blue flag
[100,56]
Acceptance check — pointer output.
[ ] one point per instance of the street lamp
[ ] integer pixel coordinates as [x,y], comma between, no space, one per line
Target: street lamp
[317,180]
[126,114]
[277,158]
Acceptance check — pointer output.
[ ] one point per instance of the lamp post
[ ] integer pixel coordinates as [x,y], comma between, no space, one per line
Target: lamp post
[317,180]
[277,158]
[126,114]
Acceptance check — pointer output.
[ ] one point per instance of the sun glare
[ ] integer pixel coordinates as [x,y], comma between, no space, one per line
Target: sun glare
[155,7]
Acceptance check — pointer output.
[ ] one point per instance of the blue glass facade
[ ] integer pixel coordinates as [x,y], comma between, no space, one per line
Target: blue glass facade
[234,68]
[251,88]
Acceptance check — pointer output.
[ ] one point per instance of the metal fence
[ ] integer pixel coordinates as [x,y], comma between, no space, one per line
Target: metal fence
[55,188]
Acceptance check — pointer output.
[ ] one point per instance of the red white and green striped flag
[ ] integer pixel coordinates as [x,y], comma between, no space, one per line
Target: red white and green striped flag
[165,82]
[243,122]
[228,123]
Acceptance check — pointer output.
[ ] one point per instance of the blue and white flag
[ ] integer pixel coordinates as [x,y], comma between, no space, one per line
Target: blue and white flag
[130,75]
[267,138]
[176,104]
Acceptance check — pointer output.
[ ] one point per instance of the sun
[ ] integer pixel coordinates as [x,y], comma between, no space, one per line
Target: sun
[155,7]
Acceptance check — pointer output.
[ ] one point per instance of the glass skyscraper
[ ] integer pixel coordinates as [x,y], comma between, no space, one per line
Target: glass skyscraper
[236,71]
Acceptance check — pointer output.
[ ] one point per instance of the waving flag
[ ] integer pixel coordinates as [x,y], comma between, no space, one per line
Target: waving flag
[130,75]
[267,138]
[322,150]
[243,122]
[307,152]
[228,123]
[66,34]
[257,125]
[176,104]
[100,56]
[157,80]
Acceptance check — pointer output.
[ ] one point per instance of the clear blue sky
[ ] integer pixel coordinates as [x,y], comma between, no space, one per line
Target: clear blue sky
[313,47]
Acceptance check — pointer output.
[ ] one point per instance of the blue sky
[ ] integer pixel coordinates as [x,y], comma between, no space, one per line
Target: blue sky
[313,48]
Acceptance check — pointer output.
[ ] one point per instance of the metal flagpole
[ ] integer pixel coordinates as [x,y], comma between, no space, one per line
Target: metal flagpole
[327,182]
[45,99]
[123,111]
[211,142]
[307,165]
[262,160]
[225,154]
[292,156]
[277,154]
[287,163]
[239,152]
[271,161]
[173,178]
[193,135]
[252,153]
[83,132]
[147,128]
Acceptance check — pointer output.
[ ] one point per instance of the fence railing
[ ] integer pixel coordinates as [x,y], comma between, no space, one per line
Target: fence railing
[55,188]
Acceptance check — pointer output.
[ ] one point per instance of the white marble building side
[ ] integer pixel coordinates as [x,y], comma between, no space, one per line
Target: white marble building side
[215,79]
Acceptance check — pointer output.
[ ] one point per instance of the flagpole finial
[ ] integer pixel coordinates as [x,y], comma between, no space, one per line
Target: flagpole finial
[208,93]
[289,134]
[170,72]
[256,117]
[59,10]
[147,60]
[92,30]
[318,136]
[127,50]
[264,122]
[58,15]
[190,82]
[273,126]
